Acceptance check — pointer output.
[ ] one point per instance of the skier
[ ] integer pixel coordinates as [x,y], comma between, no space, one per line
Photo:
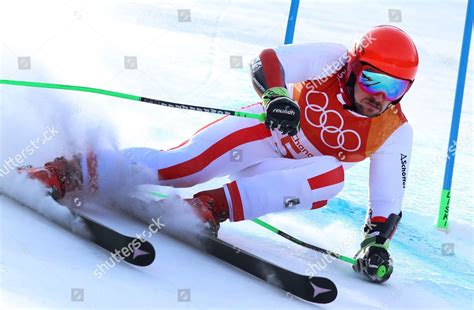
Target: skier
[326,108]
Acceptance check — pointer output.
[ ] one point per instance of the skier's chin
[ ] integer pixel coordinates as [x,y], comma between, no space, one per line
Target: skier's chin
[367,109]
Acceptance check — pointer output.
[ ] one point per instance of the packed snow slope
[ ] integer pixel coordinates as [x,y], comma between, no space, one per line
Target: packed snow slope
[85,43]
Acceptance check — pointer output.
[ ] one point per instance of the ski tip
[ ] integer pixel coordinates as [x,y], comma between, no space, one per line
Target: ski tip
[323,290]
[143,253]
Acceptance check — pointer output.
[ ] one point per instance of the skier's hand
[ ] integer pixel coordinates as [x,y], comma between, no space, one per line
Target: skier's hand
[283,113]
[376,264]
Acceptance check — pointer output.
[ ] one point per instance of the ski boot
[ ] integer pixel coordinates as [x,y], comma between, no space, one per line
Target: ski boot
[211,206]
[60,176]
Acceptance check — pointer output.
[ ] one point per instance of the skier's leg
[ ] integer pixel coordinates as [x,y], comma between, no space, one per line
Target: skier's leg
[225,146]
[309,182]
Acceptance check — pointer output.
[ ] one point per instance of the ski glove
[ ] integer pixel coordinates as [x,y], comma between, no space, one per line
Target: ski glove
[376,264]
[283,113]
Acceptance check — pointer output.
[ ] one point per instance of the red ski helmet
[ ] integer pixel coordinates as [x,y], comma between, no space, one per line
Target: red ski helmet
[388,49]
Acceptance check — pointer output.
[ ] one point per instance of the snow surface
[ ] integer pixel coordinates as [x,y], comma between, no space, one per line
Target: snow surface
[84,43]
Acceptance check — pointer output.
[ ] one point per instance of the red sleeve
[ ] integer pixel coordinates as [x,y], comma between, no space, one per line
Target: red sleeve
[272,69]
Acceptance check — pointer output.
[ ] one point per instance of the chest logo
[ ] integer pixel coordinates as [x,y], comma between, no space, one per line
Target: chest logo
[331,124]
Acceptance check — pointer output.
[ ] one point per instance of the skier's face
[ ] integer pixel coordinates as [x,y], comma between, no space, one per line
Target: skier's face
[369,105]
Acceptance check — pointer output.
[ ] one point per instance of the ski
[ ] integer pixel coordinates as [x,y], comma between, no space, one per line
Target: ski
[132,250]
[312,289]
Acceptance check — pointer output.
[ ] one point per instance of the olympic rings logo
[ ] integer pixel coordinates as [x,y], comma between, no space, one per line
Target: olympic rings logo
[342,135]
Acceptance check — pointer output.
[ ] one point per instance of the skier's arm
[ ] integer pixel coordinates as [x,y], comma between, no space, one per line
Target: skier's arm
[277,67]
[388,172]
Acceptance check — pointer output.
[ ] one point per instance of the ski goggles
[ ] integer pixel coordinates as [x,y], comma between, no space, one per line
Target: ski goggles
[375,82]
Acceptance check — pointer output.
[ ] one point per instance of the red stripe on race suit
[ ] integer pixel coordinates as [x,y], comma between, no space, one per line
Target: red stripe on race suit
[236,201]
[329,178]
[208,125]
[226,144]
[201,129]
[319,204]
[272,68]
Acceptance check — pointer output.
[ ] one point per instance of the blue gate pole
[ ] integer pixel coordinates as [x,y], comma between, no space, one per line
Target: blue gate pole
[442,222]
[290,27]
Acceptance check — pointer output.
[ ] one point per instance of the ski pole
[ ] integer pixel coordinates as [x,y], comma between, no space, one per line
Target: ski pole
[347,259]
[260,117]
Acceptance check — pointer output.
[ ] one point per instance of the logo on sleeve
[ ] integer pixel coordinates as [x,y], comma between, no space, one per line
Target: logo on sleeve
[403,162]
